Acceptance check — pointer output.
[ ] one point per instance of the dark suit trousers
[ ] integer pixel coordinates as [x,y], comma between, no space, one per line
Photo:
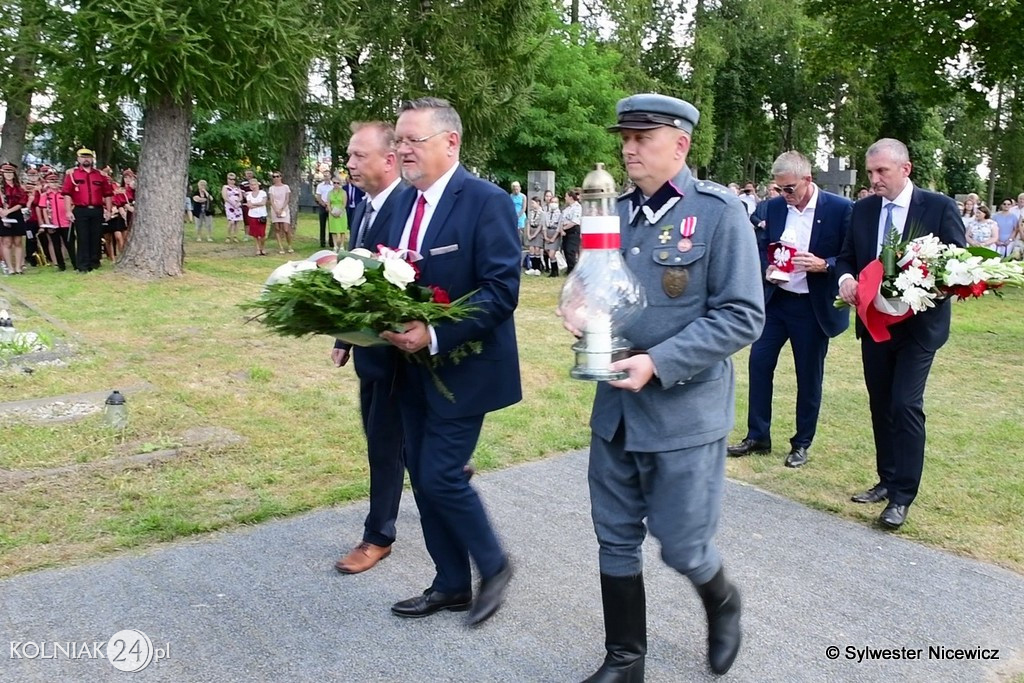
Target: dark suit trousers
[89,226]
[323,213]
[382,424]
[787,318]
[455,525]
[895,373]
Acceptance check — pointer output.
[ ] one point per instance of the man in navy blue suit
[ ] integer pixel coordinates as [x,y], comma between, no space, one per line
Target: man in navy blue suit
[465,230]
[373,166]
[798,310]
[896,371]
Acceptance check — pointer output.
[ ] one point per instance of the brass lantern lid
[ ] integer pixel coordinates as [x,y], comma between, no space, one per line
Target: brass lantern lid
[599,184]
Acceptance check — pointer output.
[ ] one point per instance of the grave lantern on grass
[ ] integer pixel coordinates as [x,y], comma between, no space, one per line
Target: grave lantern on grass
[601,296]
[116,411]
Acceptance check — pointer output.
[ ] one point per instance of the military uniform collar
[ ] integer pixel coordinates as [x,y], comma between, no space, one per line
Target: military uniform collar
[661,202]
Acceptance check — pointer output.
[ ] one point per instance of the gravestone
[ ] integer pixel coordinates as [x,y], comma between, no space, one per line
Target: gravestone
[837,179]
[539,182]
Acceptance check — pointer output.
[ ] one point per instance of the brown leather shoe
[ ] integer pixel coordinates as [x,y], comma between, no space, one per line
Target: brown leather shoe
[364,556]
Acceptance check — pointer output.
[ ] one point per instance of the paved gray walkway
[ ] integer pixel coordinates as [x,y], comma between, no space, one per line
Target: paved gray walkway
[264,603]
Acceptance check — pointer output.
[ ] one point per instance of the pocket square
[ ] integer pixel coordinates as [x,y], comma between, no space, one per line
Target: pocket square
[447,249]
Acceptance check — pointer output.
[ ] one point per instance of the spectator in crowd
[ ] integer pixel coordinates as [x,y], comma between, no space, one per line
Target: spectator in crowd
[982,231]
[863,192]
[13,199]
[354,195]
[572,214]
[1018,210]
[734,188]
[970,205]
[320,192]
[280,214]
[337,200]
[534,238]
[749,197]
[232,196]
[117,223]
[760,213]
[552,233]
[256,220]
[1007,222]
[519,202]
[201,210]
[56,222]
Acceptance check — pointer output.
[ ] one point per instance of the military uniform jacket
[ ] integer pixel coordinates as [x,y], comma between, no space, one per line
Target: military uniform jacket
[704,303]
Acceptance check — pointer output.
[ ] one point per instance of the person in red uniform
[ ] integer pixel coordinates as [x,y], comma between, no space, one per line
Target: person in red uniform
[128,180]
[13,199]
[89,200]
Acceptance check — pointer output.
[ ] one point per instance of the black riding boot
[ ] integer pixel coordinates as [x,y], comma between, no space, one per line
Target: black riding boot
[625,629]
[554,269]
[722,603]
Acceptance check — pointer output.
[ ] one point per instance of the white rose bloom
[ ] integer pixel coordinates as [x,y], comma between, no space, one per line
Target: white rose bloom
[365,253]
[286,271]
[399,273]
[349,272]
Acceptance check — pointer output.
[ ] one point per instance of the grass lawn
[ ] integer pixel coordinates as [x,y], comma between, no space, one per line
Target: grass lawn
[304,449]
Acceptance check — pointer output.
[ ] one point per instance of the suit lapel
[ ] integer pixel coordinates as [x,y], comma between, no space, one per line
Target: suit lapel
[379,232]
[438,222]
[777,219]
[403,206]
[357,220]
[915,215]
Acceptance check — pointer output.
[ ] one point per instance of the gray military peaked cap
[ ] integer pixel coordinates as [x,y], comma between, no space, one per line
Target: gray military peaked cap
[649,110]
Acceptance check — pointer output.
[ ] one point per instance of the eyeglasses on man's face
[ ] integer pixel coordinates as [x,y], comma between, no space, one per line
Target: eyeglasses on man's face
[416,142]
[788,189]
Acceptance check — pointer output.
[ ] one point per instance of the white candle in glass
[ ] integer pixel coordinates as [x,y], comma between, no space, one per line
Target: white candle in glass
[598,341]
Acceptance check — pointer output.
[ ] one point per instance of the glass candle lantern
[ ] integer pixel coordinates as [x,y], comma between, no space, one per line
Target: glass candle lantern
[601,296]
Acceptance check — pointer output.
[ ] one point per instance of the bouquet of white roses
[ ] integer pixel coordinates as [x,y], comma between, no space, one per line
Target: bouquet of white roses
[361,296]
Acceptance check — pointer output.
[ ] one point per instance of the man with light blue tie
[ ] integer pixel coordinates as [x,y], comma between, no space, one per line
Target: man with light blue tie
[464,229]
[373,166]
[896,371]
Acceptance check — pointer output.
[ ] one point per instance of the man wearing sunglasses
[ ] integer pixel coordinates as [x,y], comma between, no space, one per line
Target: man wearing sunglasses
[800,310]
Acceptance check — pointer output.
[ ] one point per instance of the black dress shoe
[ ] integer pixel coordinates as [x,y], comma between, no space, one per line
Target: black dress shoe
[431,601]
[490,596]
[797,457]
[894,515]
[875,494]
[748,446]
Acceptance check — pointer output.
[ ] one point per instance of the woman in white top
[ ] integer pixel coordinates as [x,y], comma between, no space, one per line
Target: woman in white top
[280,195]
[256,201]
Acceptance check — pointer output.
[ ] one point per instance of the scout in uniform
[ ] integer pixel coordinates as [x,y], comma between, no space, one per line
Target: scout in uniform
[13,198]
[89,195]
[658,438]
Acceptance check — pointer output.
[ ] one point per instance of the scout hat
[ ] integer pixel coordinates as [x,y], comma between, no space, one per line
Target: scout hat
[649,110]
[8,168]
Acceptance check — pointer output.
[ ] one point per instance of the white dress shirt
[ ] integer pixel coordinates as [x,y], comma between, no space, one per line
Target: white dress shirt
[324,189]
[378,202]
[899,213]
[799,224]
[433,195]
[899,219]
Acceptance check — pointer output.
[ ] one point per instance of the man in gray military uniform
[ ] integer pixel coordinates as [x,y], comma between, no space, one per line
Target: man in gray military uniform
[658,441]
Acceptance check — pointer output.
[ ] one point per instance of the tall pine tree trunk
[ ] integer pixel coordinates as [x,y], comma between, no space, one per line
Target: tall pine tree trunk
[156,246]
